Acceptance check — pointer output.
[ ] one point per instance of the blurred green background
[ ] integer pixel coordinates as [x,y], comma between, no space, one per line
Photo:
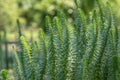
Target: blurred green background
[31,13]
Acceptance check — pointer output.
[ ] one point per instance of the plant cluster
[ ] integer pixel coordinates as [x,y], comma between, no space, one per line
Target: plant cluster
[87,50]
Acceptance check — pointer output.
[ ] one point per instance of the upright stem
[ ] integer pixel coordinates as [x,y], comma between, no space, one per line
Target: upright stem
[6,49]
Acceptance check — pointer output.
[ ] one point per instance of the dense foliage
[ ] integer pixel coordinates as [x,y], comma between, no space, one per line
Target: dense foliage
[87,50]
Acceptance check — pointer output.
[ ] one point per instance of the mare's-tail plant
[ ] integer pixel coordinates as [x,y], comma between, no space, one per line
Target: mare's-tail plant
[4,74]
[85,50]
